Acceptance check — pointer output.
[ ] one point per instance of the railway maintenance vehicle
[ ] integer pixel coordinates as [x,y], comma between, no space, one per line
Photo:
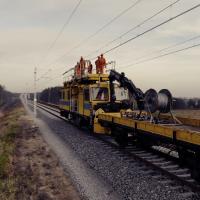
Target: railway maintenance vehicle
[109,103]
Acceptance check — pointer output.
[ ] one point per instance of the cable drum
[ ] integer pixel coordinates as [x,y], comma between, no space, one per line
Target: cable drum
[151,101]
[164,101]
[154,101]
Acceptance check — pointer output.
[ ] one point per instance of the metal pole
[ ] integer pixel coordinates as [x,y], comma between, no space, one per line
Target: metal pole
[35,92]
[26,96]
[49,89]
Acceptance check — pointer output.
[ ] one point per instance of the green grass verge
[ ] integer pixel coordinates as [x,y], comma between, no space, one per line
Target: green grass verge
[10,127]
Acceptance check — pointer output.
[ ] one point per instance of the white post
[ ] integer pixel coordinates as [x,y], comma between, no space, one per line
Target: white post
[26,100]
[35,92]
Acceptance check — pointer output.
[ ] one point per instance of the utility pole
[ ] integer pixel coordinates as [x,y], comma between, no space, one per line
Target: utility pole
[35,92]
[26,95]
[49,90]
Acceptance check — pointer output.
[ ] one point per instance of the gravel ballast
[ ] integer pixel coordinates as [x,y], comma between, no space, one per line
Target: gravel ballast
[129,178]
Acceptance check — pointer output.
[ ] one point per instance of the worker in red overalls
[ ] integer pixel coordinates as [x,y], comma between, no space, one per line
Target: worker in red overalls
[97,63]
[102,64]
[82,66]
[77,69]
[90,68]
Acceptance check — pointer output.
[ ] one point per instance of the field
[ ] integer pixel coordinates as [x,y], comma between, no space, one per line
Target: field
[193,114]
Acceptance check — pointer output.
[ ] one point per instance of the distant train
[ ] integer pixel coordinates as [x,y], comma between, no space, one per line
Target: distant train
[111,104]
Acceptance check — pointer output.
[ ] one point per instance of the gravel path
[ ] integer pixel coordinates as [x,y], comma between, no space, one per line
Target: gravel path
[129,178]
[89,185]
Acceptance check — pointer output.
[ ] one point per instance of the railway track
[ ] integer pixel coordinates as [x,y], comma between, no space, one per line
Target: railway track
[153,158]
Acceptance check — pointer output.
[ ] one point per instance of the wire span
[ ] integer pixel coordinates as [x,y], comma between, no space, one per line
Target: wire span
[162,55]
[135,27]
[153,28]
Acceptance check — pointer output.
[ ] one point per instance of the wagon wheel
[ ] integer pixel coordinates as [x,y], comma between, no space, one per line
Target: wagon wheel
[121,138]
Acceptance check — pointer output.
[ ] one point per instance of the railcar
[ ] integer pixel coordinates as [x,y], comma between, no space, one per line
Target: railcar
[111,104]
[82,97]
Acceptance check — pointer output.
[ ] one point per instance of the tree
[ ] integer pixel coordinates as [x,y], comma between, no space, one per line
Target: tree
[179,103]
[1,95]
[50,95]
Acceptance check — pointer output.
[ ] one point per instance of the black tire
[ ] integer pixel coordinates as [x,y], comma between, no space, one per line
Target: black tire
[195,173]
[62,113]
[185,157]
[78,121]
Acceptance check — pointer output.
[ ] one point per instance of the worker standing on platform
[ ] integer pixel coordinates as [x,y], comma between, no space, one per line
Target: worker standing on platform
[90,68]
[82,66]
[102,64]
[97,63]
[77,69]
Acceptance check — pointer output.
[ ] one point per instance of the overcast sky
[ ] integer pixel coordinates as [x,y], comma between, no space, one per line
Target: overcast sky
[28,28]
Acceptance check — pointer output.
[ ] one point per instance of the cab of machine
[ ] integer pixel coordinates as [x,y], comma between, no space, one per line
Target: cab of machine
[94,94]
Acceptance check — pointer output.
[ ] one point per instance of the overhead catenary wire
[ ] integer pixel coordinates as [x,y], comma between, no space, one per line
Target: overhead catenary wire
[152,28]
[108,23]
[179,43]
[163,55]
[172,18]
[168,47]
[66,23]
[156,57]
[135,27]
[63,28]
[161,50]
[97,31]
[120,14]
[115,18]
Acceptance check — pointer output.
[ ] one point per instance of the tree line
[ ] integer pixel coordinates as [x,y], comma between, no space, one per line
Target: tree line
[5,96]
[49,95]
[186,103]
[52,95]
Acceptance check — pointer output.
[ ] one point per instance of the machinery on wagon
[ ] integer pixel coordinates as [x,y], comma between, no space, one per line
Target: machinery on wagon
[109,103]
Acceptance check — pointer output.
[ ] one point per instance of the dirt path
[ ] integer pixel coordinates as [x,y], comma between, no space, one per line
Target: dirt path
[41,176]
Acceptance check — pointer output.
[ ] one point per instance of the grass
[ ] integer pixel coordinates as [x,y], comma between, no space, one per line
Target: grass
[9,128]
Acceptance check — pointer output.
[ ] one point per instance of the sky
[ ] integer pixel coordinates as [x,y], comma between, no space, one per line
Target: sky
[28,29]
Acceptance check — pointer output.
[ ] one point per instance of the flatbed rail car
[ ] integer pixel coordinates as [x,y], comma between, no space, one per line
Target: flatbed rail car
[102,101]
[185,138]
[176,134]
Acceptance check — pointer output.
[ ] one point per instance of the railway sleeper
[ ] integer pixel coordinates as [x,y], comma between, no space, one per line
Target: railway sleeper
[170,167]
[184,176]
[180,171]
[164,163]
[158,159]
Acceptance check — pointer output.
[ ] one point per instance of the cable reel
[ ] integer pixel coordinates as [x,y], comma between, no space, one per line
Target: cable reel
[154,101]
[164,101]
[151,101]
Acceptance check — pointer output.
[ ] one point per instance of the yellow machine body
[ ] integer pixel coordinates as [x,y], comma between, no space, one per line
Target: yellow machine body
[79,97]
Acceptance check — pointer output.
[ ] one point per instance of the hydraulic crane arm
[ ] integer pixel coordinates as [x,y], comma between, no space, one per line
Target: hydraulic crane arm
[136,93]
